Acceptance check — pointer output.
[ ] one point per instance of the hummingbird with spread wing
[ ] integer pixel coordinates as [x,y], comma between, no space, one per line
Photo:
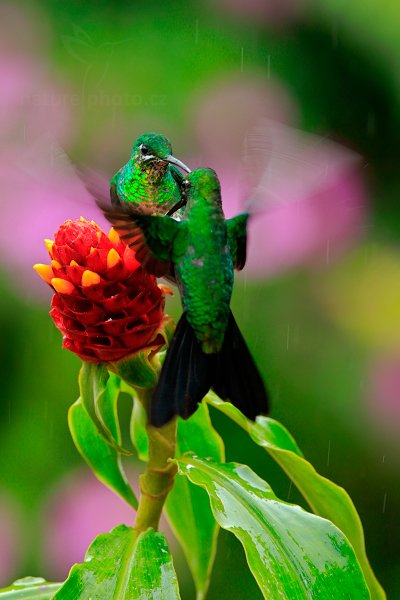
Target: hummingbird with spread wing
[201,252]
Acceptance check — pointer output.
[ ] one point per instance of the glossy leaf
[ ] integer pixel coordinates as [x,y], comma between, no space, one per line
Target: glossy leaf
[30,588]
[120,565]
[102,458]
[99,392]
[187,507]
[92,374]
[325,498]
[291,553]
[106,408]
[153,570]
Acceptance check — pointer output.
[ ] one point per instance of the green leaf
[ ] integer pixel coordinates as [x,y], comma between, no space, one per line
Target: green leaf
[91,374]
[187,507]
[140,369]
[138,431]
[120,565]
[102,458]
[291,553]
[99,392]
[106,407]
[153,573]
[30,588]
[325,498]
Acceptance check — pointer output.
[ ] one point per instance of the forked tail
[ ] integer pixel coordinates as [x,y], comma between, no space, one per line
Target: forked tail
[188,374]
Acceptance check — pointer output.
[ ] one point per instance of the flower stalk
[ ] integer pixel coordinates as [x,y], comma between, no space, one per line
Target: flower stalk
[158,478]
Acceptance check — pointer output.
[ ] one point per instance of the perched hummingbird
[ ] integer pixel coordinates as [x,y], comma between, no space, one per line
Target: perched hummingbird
[150,181]
[201,250]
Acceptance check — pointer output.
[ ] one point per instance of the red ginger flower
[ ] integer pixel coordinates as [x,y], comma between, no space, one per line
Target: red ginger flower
[105,305]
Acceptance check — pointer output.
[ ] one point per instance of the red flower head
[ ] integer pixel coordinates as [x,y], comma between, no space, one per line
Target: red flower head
[105,304]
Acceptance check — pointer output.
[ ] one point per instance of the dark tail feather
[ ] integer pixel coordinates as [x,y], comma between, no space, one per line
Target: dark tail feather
[185,378]
[188,374]
[236,376]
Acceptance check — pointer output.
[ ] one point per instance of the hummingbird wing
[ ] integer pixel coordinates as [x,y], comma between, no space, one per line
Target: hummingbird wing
[283,165]
[96,184]
[158,241]
[237,239]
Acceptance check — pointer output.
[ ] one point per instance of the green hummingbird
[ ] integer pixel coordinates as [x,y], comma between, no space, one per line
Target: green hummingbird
[201,251]
[150,181]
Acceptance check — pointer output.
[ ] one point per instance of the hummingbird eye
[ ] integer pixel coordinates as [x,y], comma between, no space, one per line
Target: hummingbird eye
[144,149]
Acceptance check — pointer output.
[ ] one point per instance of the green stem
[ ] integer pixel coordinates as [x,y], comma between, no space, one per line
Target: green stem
[158,478]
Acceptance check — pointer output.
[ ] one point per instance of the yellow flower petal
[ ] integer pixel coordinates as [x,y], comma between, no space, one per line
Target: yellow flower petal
[44,271]
[62,286]
[113,258]
[55,264]
[166,289]
[90,278]
[113,236]
[73,263]
[49,245]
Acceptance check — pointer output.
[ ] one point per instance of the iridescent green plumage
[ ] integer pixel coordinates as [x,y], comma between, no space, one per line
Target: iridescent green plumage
[205,271]
[149,181]
[201,252]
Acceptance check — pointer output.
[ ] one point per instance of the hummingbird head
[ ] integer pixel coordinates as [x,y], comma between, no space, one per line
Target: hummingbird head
[154,151]
[203,184]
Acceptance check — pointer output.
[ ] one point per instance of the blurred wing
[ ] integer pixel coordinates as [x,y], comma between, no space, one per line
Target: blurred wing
[157,241]
[46,162]
[283,164]
[237,239]
[96,184]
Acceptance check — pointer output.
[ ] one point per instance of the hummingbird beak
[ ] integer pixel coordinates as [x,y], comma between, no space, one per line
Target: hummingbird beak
[175,161]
